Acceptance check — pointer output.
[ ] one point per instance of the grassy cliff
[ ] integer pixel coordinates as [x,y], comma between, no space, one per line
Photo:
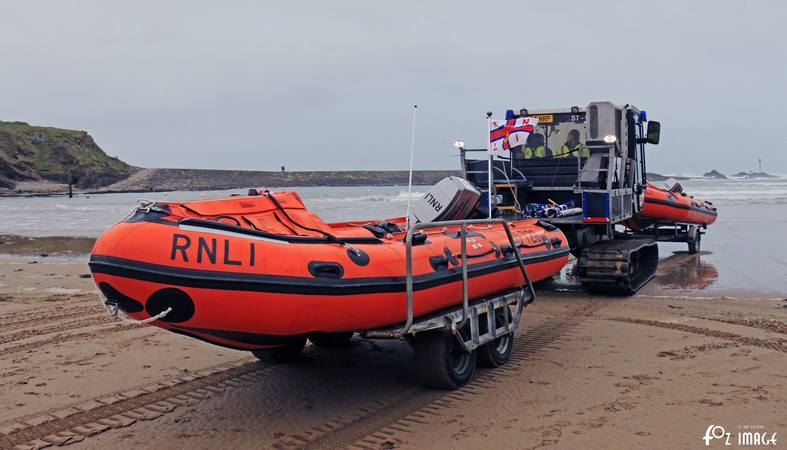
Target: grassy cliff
[31,153]
[45,156]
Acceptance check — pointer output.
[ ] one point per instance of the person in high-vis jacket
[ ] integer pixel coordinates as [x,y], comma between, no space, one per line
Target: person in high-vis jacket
[572,147]
[535,148]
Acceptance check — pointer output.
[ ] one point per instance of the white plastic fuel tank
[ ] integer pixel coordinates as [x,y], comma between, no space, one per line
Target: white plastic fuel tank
[452,198]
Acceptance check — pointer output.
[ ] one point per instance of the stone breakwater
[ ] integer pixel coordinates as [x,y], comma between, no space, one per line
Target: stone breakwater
[151,180]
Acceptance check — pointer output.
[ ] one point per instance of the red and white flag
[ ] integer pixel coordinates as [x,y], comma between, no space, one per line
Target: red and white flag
[504,134]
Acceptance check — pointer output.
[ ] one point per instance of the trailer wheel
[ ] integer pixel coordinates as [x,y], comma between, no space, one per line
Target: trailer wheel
[694,243]
[331,340]
[441,362]
[497,352]
[283,354]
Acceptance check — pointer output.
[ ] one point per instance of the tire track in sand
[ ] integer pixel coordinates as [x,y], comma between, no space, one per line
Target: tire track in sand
[33,332]
[762,324]
[369,427]
[123,409]
[34,318]
[378,428]
[777,345]
[60,338]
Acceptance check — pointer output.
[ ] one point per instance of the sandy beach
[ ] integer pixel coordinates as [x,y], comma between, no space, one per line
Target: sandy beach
[570,214]
[650,371]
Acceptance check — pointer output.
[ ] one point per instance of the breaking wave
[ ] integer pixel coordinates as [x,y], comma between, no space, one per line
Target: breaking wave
[739,192]
[401,196]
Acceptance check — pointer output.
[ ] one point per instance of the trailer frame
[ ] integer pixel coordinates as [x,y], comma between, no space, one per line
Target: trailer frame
[476,324]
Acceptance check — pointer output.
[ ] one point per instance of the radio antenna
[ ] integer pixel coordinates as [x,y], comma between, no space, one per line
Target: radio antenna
[490,164]
[412,156]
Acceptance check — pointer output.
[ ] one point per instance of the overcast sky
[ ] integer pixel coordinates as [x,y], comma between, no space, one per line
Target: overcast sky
[330,85]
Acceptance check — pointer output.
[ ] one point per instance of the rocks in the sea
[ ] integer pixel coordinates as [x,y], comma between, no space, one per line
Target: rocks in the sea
[714,174]
[754,175]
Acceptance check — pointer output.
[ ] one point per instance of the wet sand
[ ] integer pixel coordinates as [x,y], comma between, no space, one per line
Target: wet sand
[650,371]
[50,246]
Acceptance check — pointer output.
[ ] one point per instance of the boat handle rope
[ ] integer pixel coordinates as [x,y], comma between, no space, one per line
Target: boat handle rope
[225,216]
[524,245]
[114,310]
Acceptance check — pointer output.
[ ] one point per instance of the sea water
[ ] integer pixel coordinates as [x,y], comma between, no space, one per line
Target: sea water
[745,250]
[90,215]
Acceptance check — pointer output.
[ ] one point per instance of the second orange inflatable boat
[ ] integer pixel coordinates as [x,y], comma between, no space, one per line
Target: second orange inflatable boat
[674,205]
[249,272]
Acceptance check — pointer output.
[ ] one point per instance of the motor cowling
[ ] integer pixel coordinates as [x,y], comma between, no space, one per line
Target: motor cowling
[452,198]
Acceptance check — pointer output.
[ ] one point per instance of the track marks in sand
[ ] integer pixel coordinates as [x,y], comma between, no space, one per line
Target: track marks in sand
[777,345]
[383,427]
[375,427]
[762,324]
[32,332]
[695,350]
[60,338]
[123,409]
[36,317]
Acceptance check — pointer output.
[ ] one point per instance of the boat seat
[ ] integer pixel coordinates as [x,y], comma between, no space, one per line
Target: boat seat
[550,171]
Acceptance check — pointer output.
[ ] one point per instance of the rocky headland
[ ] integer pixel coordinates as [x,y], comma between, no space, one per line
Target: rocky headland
[44,158]
[38,160]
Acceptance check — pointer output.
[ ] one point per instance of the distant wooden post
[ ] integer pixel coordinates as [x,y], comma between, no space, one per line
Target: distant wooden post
[70,185]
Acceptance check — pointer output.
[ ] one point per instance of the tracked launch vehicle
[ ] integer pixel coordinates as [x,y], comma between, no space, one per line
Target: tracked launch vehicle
[584,169]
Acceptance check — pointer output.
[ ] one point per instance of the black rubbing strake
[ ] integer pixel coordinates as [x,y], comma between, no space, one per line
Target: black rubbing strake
[233,281]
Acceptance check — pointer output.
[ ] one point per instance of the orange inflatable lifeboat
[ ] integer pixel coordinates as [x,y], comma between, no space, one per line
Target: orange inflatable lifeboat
[674,205]
[251,272]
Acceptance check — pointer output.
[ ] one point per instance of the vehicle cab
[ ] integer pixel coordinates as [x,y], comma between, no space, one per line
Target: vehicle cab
[591,158]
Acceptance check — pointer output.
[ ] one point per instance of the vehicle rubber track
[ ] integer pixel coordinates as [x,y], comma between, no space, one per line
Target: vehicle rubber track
[619,266]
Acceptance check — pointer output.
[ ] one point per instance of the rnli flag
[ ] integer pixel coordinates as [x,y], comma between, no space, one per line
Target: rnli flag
[504,134]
